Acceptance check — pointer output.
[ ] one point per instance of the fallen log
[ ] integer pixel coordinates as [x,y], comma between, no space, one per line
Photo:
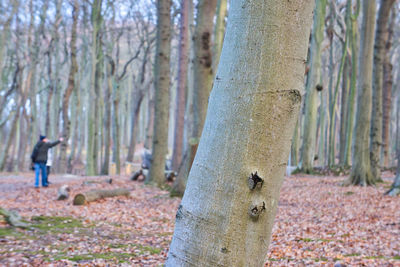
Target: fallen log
[106,181]
[13,218]
[63,192]
[83,198]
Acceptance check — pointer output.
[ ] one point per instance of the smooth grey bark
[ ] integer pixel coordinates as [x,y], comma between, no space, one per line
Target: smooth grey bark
[203,75]
[361,167]
[313,86]
[94,91]
[251,117]
[162,80]
[183,64]
[219,30]
[66,131]
[352,28]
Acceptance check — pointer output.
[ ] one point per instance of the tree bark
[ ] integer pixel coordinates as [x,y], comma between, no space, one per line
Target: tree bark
[387,90]
[219,31]
[381,38]
[251,119]
[352,27]
[202,84]
[93,195]
[183,64]
[70,88]
[162,80]
[313,86]
[17,85]
[361,167]
[94,94]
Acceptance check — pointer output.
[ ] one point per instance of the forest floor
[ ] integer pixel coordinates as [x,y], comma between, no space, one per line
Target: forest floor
[318,223]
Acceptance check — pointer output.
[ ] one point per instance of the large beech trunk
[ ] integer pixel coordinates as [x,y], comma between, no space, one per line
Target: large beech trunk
[93,195]
[222,220]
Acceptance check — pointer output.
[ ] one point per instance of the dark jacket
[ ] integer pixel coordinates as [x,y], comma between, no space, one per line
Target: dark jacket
[39,154]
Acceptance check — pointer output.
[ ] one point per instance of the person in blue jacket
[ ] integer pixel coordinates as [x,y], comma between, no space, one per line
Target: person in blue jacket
[39,158]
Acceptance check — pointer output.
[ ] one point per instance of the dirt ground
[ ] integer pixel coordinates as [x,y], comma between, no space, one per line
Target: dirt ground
[318,223]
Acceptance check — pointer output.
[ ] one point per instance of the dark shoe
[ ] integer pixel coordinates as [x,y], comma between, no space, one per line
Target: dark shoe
[46,185]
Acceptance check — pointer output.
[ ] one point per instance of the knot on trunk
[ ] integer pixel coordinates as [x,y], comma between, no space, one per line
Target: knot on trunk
[254,181]
[256,210]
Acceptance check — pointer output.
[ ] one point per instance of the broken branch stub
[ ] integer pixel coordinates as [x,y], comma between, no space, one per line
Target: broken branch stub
[254,181]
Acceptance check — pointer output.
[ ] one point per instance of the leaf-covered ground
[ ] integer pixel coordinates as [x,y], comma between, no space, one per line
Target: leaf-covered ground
[318,223]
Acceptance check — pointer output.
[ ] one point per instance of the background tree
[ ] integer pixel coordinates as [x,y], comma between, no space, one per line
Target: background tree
[162,82]
[313,86]
[361,168]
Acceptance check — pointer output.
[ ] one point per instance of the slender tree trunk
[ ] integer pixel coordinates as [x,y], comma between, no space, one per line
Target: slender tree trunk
[381,39]
[344,110]
[202,84]
[352,27]
[138,98]
[162,80]
[203,73]
[313,86]
[294,147]
[10,137]
[107,126]
[248,129]
[179,185]
[93,107]
[219,31]
[361,167]
[183,63]
[116,126]
[387,90]
[70,88]
[150,119]
[332,108]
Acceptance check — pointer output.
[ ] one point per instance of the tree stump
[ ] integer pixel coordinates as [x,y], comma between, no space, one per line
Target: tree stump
[63,192]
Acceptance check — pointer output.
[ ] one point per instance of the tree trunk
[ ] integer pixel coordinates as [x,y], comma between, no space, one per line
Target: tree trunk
[150,119]
[352,27]
[183,63]
[134,122]
[221,222]
[381,39]
[312,88]
[107,134]
[162,80]
[17,84]
[93,101]
[344,111]
[93,195]
[332,108]
[219,31]
[116,126]
[70,88]
[395,188]
[387,90]
[361,167]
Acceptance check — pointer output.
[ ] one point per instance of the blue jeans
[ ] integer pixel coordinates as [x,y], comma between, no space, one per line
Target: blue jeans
[38,167]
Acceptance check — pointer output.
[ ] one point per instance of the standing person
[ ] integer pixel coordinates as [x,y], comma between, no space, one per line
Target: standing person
[39,158]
